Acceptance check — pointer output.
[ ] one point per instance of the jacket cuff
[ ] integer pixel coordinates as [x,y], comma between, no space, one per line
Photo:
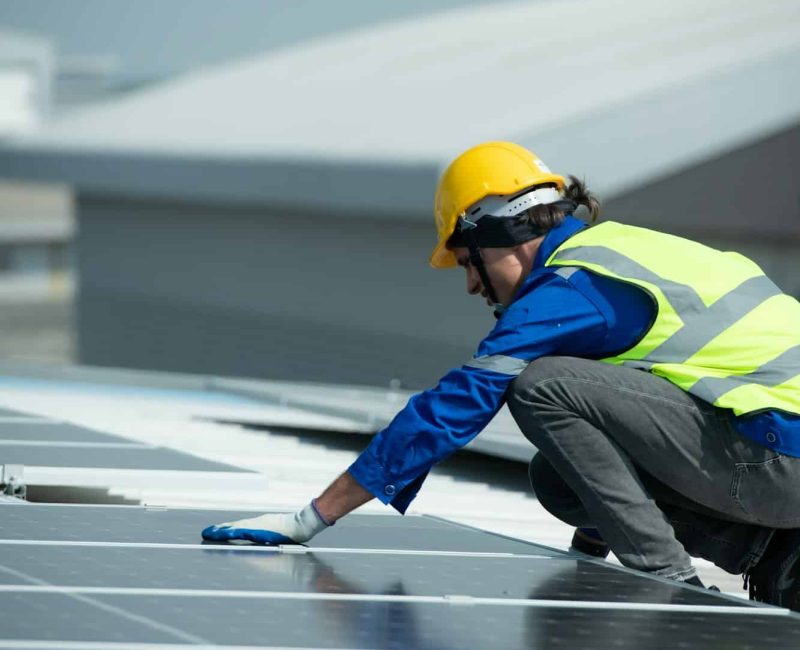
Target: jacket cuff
[388,489]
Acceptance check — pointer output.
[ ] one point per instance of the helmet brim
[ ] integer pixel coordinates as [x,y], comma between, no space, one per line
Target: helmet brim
[442,257]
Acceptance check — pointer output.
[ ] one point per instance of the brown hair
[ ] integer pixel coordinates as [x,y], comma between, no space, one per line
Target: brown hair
[547,217]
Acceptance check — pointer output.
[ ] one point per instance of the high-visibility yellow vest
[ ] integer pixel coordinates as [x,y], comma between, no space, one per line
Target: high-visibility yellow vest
[722,332]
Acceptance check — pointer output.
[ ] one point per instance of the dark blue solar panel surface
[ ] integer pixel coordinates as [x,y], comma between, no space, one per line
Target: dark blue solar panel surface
[183,526]
[221,594]
[378,624]
[564,578]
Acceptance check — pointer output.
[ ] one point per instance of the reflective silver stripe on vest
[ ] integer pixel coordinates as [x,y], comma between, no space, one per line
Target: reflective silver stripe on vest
[699,329]
[499,363]
[682,297]
[781,369]
[701,324]
[567,272]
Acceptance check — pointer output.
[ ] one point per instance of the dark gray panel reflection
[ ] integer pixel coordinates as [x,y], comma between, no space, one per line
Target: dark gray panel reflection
[8,413]
[403,625]
[114,458]
[176,526]
[55,432]
[373,574]
[56,617]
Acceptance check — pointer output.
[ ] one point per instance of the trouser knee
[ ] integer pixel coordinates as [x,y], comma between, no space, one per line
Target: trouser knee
[527,386]
[537,389]
[553,493]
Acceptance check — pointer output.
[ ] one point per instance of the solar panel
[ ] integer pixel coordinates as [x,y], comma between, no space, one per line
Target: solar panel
[121,574]
[123,456]
[183,526]
[93,576]
[51,431]
[7,414]
[48,443]
[56,619]
[391,622]
[428,575]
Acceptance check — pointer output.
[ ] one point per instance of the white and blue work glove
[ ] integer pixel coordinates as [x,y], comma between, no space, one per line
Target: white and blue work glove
[271,529]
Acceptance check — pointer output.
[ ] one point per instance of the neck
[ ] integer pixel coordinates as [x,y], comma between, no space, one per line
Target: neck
[526,253]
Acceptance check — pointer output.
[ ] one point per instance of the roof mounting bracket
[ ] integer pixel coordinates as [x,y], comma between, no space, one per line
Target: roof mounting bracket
[12,481]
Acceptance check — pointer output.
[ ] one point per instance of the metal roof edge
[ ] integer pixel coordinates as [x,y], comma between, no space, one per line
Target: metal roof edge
[348,186]
[261,389]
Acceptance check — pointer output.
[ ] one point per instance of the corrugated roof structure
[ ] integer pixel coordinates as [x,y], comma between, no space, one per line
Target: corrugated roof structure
[593,85]
[282,204]
[151,40]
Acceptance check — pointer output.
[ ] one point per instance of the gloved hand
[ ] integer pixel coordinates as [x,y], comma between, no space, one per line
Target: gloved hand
[271,529]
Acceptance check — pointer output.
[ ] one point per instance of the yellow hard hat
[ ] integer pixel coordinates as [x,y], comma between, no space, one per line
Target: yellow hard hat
[497,168]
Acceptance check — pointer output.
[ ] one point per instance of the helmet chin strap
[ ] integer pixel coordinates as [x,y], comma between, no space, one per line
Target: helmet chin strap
[476,259]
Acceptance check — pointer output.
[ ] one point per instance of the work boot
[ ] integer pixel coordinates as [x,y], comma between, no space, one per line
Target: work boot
[589,542]
[776,577]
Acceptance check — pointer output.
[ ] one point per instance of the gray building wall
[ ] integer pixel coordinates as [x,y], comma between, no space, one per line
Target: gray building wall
[249,290]
[747,200]
[241,290]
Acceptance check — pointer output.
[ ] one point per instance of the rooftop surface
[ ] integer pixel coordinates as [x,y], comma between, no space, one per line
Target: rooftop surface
[397,100]
[137,578]
[160,456]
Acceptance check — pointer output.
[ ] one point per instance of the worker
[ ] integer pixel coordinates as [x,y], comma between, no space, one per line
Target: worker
[659,380]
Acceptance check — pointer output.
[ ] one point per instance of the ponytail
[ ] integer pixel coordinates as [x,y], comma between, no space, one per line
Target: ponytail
[578,192]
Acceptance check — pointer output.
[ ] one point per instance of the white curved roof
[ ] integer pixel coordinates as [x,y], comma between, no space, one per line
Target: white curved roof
[618,90]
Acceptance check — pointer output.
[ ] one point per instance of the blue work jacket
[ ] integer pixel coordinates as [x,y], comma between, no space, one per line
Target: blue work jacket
[583,315]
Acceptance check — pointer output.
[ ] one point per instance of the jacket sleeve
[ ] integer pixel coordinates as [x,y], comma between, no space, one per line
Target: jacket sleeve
[431,426]
[438,421]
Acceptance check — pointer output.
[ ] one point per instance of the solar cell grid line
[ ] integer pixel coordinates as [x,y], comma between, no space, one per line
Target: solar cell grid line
[455,599]
[108,609]
[395,623]
[336,572]
[64,516]
[333,599]
[175,525]
[64,523]
[293,549]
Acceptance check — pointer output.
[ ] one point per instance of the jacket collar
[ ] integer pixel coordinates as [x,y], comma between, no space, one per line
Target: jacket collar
[553,239]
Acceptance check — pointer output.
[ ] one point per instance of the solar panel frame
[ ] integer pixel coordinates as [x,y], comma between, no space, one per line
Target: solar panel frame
[114,456]
[10,414]
[147,525]
[337,621]
[331,571]
[346,597]
[42,430]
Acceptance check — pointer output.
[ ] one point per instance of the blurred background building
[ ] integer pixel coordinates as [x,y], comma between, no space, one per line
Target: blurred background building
[56,57]
[251,185]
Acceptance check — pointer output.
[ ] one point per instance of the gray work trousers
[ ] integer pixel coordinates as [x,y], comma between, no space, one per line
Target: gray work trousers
[661,474]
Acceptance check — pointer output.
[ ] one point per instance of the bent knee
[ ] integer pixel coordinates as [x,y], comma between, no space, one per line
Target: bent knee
[526,388]
[545,480]
[552,492]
